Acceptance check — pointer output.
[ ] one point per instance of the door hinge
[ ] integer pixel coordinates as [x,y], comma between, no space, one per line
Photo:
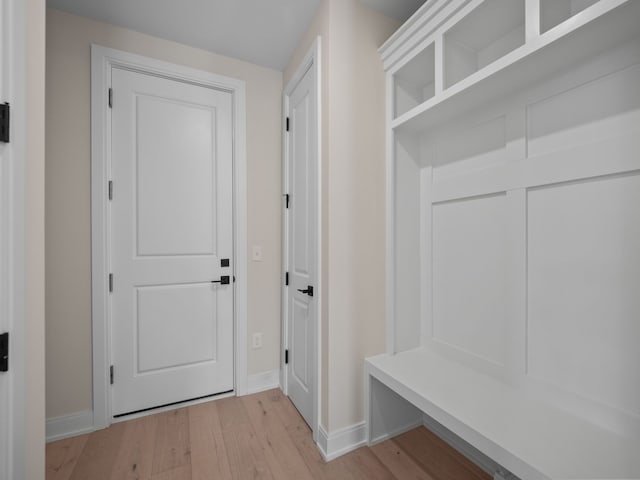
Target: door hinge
[4,352]
[111,283]
[287,124]
[286,200]
[110,189]
[286,357]
[110,97]
[286,279]
[111,375]
[5,122]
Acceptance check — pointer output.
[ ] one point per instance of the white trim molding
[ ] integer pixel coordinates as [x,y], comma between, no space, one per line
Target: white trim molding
[67,426]
[312,60]
[103,60]
[338,443]
[260,382]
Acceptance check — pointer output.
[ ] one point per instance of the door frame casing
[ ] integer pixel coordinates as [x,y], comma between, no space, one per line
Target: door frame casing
[103,60]
[311,61]
[12,233]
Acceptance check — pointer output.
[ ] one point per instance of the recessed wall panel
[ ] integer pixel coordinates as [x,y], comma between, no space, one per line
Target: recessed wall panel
[175,170]
[603,108]
[175,325]
[469,276]
[584,288]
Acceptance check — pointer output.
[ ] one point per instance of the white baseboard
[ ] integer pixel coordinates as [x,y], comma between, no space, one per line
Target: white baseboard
[79,423]
[260,382]
[335,444]
[69,425]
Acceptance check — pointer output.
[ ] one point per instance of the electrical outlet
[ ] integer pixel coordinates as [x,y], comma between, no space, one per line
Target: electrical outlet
[257,340]
[257,253]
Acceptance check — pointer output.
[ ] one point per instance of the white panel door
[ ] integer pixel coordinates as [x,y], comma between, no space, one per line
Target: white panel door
[301,308]
[171,218]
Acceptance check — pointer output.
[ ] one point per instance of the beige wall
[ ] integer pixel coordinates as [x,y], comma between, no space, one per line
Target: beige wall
[354,202]
[68,227]
[34,248]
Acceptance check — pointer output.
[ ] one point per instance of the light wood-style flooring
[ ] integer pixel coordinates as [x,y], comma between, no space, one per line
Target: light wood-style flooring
[260,436]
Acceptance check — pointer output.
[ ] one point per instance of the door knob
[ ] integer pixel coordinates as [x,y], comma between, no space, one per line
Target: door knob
[308,290]
[224,280]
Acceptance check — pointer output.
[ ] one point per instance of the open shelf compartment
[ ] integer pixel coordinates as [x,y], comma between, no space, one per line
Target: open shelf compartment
[470,46]
[555,12]
[414,83]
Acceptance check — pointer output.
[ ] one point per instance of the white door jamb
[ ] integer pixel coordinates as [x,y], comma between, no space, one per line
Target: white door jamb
[103,60]
[311,60]
[12,176]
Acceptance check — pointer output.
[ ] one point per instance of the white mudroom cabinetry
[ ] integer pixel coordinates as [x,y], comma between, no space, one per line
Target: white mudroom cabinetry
[513,235]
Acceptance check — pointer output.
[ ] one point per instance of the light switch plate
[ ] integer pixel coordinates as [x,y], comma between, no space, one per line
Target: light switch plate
[257,253]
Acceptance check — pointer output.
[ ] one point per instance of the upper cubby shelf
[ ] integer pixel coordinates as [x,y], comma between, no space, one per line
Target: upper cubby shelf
[494,48]
[415,82]
[470,46]
[554,12]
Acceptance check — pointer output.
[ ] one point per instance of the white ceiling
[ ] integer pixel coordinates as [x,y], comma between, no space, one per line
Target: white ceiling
[399,9]
[263,32]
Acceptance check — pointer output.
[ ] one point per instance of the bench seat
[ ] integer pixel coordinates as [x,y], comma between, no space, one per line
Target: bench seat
[528,437]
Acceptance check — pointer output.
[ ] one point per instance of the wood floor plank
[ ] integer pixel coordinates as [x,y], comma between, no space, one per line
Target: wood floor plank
[172,449]
[301,436]
[437,458]
[180,473]
[208,452]
[362,464]
[245,453]
[257,437]
[280,452]
[98,457]
[135,458]
[63,455]
[399,463]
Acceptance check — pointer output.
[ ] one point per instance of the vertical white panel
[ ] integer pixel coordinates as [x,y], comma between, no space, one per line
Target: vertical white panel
[426,254]
[584,284]
[469,276]
[300,351]
[407,244]
[175,169]
[300,190]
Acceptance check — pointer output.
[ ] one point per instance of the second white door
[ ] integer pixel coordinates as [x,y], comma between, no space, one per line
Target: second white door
[172,237]
[301,309]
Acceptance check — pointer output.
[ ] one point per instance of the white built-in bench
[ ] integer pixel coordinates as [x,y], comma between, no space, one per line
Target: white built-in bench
[513,235]
[527,437]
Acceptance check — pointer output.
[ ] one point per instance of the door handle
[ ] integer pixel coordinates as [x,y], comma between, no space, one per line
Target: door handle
[224,280]
[308,290]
